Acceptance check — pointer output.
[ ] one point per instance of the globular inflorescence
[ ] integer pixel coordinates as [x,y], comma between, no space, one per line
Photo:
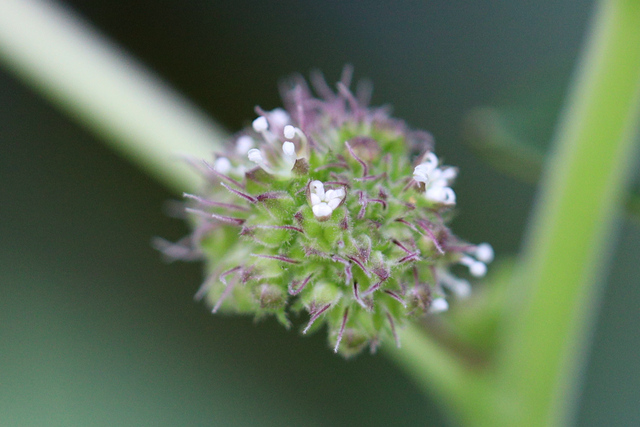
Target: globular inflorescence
[334,209]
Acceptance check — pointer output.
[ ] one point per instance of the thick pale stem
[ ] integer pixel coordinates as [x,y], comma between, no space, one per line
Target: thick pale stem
[437,371]
[108,91]
[573,225]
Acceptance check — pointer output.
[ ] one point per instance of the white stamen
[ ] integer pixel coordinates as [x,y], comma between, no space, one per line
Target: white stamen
[289,149]
[244,144]
[279,118]
[222,165]
[476,268]
[484,252]
[255,156]
[289,132]
[460,287]
[467,260]
[260,124]
[439,305]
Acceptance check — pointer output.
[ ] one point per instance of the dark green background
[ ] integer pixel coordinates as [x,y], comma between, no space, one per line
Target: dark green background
[96,330]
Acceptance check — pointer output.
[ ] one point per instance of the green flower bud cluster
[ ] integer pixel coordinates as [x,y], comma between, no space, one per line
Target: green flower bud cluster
[332,208]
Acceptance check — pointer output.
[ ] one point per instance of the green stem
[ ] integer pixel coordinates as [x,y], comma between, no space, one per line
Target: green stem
[436,371]
[573,226]
[106,90]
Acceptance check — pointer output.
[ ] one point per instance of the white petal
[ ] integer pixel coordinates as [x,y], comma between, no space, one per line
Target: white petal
[435,174]
[421,173]
[322,210]
[437,181]
[440,194]
[318,188]
[315,199]
[334,203]
[449,174]
[339,193]
[432,160]
[329,195]
[450,196]
[422,168]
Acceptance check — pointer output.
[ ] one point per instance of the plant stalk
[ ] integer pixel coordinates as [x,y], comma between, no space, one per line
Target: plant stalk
[108,91]
[573,227]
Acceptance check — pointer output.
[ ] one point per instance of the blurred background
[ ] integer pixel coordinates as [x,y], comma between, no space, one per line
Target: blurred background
[96,330]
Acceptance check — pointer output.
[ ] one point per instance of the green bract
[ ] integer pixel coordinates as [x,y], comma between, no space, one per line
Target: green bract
[332,208]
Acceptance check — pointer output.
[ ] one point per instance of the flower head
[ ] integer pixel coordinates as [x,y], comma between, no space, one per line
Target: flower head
[319,208]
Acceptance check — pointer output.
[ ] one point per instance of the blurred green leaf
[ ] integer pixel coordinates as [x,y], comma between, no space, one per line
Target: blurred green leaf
[494,135]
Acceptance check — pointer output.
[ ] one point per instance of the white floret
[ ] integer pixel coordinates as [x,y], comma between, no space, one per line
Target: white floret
[436,180]
[324,203]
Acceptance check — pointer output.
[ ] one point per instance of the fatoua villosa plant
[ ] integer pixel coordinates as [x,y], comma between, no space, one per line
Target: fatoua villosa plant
[334,208]
[563,256]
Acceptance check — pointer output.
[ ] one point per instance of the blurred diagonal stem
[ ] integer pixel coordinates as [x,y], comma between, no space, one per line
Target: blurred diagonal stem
[570,235]
[532,381]
[108,91]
